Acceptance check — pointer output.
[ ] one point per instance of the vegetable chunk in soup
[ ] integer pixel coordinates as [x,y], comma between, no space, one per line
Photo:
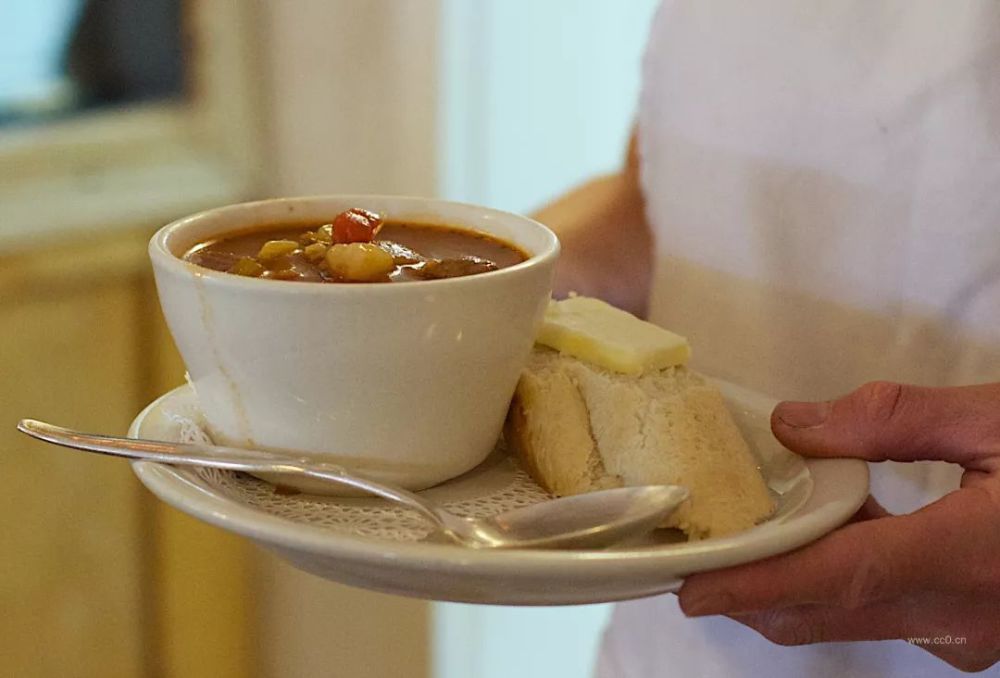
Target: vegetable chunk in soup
[357,246]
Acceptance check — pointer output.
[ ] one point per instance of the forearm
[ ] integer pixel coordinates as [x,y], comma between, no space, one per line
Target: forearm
[607,244]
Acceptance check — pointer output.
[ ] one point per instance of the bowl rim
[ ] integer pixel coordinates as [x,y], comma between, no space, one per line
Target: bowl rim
[164,259]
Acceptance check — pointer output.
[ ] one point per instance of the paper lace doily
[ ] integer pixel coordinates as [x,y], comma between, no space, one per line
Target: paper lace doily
[498,485]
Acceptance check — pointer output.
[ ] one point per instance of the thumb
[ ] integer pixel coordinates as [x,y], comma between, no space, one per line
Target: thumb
[887,421]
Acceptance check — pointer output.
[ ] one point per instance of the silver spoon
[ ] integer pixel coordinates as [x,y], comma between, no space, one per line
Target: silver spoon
[589,520]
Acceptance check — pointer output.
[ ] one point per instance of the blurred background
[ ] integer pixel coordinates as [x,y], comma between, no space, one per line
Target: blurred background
[117,117]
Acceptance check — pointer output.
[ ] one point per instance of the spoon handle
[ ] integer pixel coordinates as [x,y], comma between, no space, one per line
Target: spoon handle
[236,459]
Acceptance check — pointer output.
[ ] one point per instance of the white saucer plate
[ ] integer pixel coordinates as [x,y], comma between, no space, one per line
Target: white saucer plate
[366,543]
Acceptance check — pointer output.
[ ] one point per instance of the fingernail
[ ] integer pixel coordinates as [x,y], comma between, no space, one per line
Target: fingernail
[716,602]
[803,415]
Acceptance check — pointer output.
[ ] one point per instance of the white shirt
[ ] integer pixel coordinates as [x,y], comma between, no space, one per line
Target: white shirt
[823,181]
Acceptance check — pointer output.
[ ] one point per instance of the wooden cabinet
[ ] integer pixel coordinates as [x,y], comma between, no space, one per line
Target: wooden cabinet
[97,577]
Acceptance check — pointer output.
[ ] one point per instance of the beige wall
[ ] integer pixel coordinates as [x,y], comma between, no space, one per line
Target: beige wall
[352,95]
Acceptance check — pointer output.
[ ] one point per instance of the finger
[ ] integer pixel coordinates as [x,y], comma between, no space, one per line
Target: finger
[870,510]
[864,562]
[963,631]
[968,659]
[884,420]
[844,568]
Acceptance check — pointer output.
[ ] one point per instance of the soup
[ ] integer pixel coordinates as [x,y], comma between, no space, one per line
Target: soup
[357,246]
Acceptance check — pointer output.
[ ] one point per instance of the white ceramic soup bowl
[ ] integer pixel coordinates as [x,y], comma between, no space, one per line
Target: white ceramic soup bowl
[406,382]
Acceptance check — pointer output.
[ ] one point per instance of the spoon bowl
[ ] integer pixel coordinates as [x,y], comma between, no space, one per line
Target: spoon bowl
[591,520]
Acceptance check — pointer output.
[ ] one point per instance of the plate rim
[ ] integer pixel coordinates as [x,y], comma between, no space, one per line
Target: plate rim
[175,487]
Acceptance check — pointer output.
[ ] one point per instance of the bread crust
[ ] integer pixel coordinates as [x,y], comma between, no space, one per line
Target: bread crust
[517,438]
[547,428]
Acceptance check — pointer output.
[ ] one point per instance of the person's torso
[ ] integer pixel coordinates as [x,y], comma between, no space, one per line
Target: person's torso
[823,180]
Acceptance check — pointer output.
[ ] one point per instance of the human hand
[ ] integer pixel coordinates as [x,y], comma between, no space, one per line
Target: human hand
[926,576]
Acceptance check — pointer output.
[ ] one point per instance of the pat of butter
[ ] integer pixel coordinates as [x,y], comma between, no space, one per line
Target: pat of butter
[599,333]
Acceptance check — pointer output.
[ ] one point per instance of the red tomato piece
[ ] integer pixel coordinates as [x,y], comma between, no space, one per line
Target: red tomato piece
[356,225]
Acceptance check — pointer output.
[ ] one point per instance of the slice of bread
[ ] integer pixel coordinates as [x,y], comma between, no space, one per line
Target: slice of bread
[578,428]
